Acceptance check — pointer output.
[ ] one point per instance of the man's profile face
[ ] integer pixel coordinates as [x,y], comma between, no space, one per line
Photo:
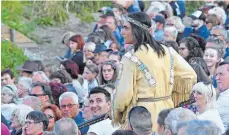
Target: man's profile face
[98,104]
[222,77]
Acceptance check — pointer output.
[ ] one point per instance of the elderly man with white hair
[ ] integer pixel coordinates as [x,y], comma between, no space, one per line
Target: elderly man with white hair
[176,116]
[18,118]
[66,126]
[218,32]
[170,33]
[40,76]
[69,107]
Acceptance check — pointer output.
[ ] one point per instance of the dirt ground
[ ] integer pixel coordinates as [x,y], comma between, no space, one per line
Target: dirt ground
[52,36]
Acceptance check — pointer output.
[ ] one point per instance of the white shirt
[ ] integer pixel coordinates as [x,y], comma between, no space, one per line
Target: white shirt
[213,116]
[223,107]
[102,128]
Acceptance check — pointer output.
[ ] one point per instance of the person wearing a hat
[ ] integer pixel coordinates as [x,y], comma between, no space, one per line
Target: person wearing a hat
[28,68]
[65,40]
[101,22]
[159,32]
[101,53]
[198,25]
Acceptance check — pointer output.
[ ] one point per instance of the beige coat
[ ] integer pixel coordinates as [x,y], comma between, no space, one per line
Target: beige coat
[132,83]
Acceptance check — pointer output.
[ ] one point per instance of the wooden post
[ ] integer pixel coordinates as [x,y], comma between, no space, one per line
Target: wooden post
[12,35]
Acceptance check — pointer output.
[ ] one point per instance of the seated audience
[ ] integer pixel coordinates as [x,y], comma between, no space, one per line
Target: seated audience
[57,89]
[90,73]
[139,121]
[35,124]
[66,126]
[108,73]
[116,57]
[161,120]
[69,107]
[198,127]
[53,113]
[205,101]
[9,94]
[18,118]
[86,110]
[100,103]
[40,76]
[175,117]
[33,102]
[43,92]
[24,86]
[189,47]
[222,78]
[7,77]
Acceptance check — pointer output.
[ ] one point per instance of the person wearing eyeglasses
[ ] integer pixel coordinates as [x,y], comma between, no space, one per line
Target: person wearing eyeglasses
[205,101]
[18,118]
[43,92]
[35,124]
[218,32]
[69,107]
[53,113]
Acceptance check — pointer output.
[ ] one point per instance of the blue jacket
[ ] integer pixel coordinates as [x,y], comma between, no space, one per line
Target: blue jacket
[134,7]
[226,53]
[202,31]
[78,120]
[182,8]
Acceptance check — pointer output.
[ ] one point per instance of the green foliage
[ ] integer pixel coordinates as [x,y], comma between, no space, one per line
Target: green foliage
[12,56]
[84,9]
[192,6]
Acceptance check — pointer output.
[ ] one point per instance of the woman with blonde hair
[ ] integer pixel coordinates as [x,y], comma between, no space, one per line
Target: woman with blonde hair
[205,101]
[88,50]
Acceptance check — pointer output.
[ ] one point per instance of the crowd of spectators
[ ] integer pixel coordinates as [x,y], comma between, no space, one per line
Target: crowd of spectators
[43,102]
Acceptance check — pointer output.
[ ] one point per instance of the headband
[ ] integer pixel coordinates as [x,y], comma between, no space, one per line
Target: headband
[139,24]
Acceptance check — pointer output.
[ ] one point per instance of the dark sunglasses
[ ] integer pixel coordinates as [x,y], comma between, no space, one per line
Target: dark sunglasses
[37,95]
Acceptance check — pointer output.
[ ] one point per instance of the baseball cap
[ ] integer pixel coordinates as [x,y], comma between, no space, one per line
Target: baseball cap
[159,18]
[103,9]
[107,13]
[197,15]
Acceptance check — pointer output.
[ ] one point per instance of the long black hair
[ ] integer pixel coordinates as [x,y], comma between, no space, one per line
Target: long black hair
[142,36]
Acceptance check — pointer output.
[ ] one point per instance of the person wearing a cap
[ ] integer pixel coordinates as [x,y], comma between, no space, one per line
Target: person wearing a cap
[198,25]
[159,32]
[65,40]
[101,22]
[101,53]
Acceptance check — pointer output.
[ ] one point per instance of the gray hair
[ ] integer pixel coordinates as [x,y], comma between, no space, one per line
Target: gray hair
[43,75]
[209,93]
[36,102]
[66,126]
[177,22]
[176,116]
[21,112]
[26,82]
[221,30]
[220,13]
[12,90]
[199,127]
[71,95]
[172,31]
[140,120]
